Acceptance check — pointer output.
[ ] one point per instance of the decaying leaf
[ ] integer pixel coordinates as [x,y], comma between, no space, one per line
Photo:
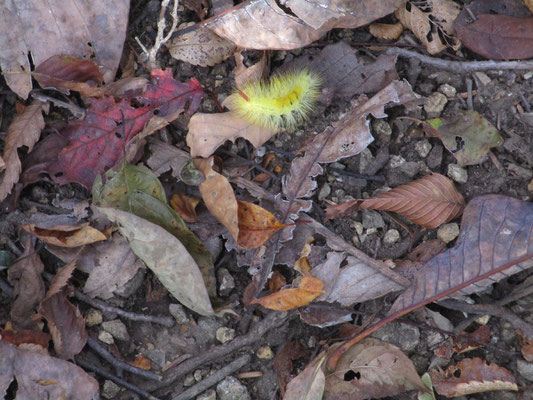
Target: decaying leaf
[309,384]
[166,257]
[385,31]
[31,369]
[27,339]
[472,375]
[218,196]
[66,235]
[185,206]
[200,47]
[256,225]
[255,72]
[464,342]
[200,7]
[283,362]
[289,299]
[372,369]
[24,130]
[468,136]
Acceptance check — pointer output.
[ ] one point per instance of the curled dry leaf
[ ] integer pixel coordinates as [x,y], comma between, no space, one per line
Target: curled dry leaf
[185,206]
[209,131]
[283,362]
[309,384]
[429,201]
[472,375]
[467,341]
[256,225]
[255,72]
[25,130]
[218,196]
[66,236]
[200,47]
[289,299]
[386,31]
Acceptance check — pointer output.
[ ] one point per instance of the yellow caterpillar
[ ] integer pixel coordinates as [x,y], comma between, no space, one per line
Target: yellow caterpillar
[285,101]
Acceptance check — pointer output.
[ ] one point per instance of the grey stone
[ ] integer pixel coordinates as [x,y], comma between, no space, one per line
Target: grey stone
[94,317]
[372,219]
[105,337]
[357,226]
[365,160]
[132,285]
[189,380]
[482,78]
[434,104]
[404,336]
[447,90]
[396,161]
[208,395]
[423,147]
[448,232]
[338,196]
[324,192]
[231,389]
[205,331]
[520,172]
[225,335]
[117,329]
[178,312]
[198,376]
[382,129]
[260,151]
[157,357]
[110,389]
[434,159]
[525,369]
[391,237]
[226,283]
[458,174]
[265,353]
[410,168]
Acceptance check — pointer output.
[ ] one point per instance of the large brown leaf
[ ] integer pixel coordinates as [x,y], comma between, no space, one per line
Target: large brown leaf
[430,201]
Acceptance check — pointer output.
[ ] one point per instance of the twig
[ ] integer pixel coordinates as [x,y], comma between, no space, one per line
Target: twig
[469,101]
[272,321]
[462,67]
[161,25]
[120,365]
[211,380]
[116,379]
[248,162]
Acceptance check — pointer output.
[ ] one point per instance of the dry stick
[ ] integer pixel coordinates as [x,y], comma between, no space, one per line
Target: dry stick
[211,380]
[272,321]
[115,379]
[461,67]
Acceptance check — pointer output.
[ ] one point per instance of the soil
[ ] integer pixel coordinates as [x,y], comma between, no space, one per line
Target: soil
[496,100]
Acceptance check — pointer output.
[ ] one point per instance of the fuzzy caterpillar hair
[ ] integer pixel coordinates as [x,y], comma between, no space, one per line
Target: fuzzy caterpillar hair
[284,101]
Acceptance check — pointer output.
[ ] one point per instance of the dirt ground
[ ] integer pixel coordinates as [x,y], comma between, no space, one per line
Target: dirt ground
[400,153]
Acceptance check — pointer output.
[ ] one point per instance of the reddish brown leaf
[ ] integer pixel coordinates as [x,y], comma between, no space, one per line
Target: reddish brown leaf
[276,282]
[341,210]
[185,206]
[67,236]
[465,342]
[27,339]
[97,142]
[425,251]
[472,375]
[283,362]
[429,201]
[256,225]
[142,362]
[69,73]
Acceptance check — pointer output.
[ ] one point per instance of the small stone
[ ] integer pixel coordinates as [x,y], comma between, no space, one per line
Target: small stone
[448,232]
[157,357]
[365,160]
[482,78]
[435,157]
[371,231]
[396,161]
[372,219]
[339,194]
[447,90]
[324,192]
[189,380]
[178,312]
[357,226]
[208,395]
[410,168]
[391,237]
[225,335]
[105,337]
[225,281]
[530,186]
[231,389]
[525,369]
[338,165]
[117,329]
[528,75]
[260,151]
[458,174]
[404,336]
[435,104]
[356,241]
[197,375]
[110,389]
[382,129]
[520,172]
[423,147]
[93,318]
[265,353]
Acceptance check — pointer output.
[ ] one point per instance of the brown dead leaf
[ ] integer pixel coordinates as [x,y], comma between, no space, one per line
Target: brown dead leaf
[472,375]
[256,225]
[200,47]
[24,130]
[200,7]
[142,362]
[386,31]
[255,72]
[309,384]
[289,299]
[425,251]
[27,339]
[283,362]
[32,369]
[66,235]
[464,342]
[185,206]
[218,196]
[276,282]
[58,33]
[429,201]
[209,131]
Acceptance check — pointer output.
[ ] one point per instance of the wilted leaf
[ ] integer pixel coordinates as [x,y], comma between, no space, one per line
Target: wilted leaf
[309,384]
[252,73]
[377,369]
[31,369]
[185,206]
[386,31]
[166,257]
[200,47]
[475,134]
[429,201]
[256,225]
[288,299]
[209,131]
[69,73]
[283,362]
[200,7]
[472,375]
[324,314]
[76,28]
[26,339]
[464,342]
[218,196]
[24,130]
[276,281]
[65,235]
